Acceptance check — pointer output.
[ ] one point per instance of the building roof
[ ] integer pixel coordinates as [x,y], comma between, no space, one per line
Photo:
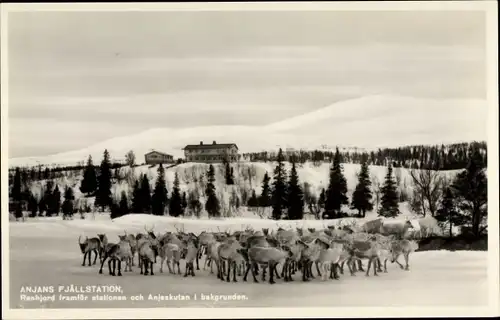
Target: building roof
[158,152]
[209,146]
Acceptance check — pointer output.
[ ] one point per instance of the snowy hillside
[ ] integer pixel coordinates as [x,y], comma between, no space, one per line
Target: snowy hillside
[367,122]
[248,177]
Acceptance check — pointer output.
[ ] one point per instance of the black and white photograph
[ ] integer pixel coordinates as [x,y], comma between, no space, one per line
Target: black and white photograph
[260,155]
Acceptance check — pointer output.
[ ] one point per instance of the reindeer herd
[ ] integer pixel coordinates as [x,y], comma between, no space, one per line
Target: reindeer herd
[279,253]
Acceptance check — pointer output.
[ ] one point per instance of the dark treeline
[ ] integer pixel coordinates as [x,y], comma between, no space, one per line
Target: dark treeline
[437,157]
[37,173]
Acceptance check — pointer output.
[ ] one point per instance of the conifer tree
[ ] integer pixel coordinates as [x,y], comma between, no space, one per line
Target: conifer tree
[145,191]
[265,197]
[322,199]
[253,201]
[32,205]
[184,201]
[362,195]
[56,200]
[279,197]
[229,173]
[175,204]
[136,197]
[124,209]
[68,206]
[447,212]
[89,182]
[336,194]
[103,193]
[389,202]
[194,203]
[471,190]
[160,196]
[49,198]
[212,204]
[295,195]
[16,192]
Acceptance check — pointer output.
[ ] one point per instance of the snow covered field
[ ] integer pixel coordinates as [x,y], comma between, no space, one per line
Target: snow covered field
[45,253]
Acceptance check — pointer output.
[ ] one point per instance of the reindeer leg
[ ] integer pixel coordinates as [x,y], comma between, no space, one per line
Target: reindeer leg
[378,264]
[240,269]
[264,271]
[360,265]
[291,270]
[109,266]
[304,271]
[247,269]
[309,269]
[407,260]
[276,271]
[368,268]
[400,265]
[374,267]
[146,266]
[335,267]
[317,268]
[95,258]
[168,265]
[119,268]
[385,266]
[192,269]
[342,267]
[351,266]
[205,264]
[102,263]
[140,265]
[197,262]
[152,266]
[84,258]
[228,278]
[253,272]
[234,271]
[272,271]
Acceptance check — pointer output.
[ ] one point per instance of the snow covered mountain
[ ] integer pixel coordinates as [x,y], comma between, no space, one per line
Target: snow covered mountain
[367,122]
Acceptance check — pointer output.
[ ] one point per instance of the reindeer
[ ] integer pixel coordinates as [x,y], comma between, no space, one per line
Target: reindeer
[147,249]
[87,247]
[205,239]
[212,254]
[227,252]
[404,247]
[329,258]
[365,250]
[104,243]
[111,251]
[125,253]
[191,253]
[397,229]
[372,226]
[154,241]
[133,245]
[172,252]
[268,256]
[310,254]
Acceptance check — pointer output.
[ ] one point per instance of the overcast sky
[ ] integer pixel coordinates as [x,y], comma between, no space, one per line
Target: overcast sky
[76,79]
